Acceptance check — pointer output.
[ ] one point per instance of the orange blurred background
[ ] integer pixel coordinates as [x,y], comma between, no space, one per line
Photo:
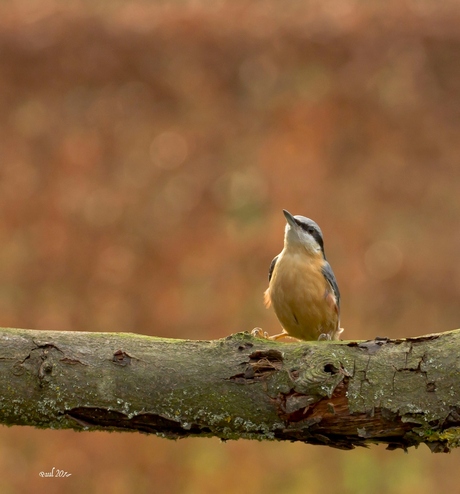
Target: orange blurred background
[146,153]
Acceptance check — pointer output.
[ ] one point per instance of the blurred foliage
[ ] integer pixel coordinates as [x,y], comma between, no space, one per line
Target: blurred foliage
[146,153]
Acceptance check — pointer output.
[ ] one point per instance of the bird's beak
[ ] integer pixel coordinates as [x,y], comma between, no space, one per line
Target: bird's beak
[290,219]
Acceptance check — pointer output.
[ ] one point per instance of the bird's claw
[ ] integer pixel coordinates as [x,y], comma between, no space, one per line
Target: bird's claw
[260,333]
[333,335]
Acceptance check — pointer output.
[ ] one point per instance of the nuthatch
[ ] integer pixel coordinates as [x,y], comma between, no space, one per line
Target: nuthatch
[302,287]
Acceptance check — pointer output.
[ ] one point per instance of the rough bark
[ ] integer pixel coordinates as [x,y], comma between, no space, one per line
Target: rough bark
[343,394]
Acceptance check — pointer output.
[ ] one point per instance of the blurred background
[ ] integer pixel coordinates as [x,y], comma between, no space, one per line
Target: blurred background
[146,152]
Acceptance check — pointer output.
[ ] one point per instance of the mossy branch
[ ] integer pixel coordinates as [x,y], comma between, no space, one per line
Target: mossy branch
[343,394]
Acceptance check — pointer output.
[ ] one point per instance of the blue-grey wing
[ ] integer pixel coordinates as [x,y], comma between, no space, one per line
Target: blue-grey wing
[272,267]
[329,275]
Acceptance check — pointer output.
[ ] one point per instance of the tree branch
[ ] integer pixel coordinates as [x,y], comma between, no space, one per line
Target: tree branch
[342,394]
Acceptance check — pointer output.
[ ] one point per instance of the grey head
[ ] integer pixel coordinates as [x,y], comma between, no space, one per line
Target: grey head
[304,231]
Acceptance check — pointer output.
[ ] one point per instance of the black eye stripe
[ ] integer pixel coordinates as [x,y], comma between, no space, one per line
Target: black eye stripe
[313,232]
[313,229]
[307,228]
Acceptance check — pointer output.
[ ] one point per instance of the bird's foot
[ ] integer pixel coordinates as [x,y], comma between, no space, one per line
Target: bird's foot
[333,335]
[282,335]
[336,334]
[260,333]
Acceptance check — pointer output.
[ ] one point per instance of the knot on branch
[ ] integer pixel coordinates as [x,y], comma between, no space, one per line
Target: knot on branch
[320,376]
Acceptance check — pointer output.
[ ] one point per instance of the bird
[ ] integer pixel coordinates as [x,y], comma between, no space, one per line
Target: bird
[302,289]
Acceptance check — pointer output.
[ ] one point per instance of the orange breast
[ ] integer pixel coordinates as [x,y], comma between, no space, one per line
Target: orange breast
[301,297]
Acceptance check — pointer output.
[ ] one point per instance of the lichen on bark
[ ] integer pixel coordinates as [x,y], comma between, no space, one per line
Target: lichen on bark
[401,392]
